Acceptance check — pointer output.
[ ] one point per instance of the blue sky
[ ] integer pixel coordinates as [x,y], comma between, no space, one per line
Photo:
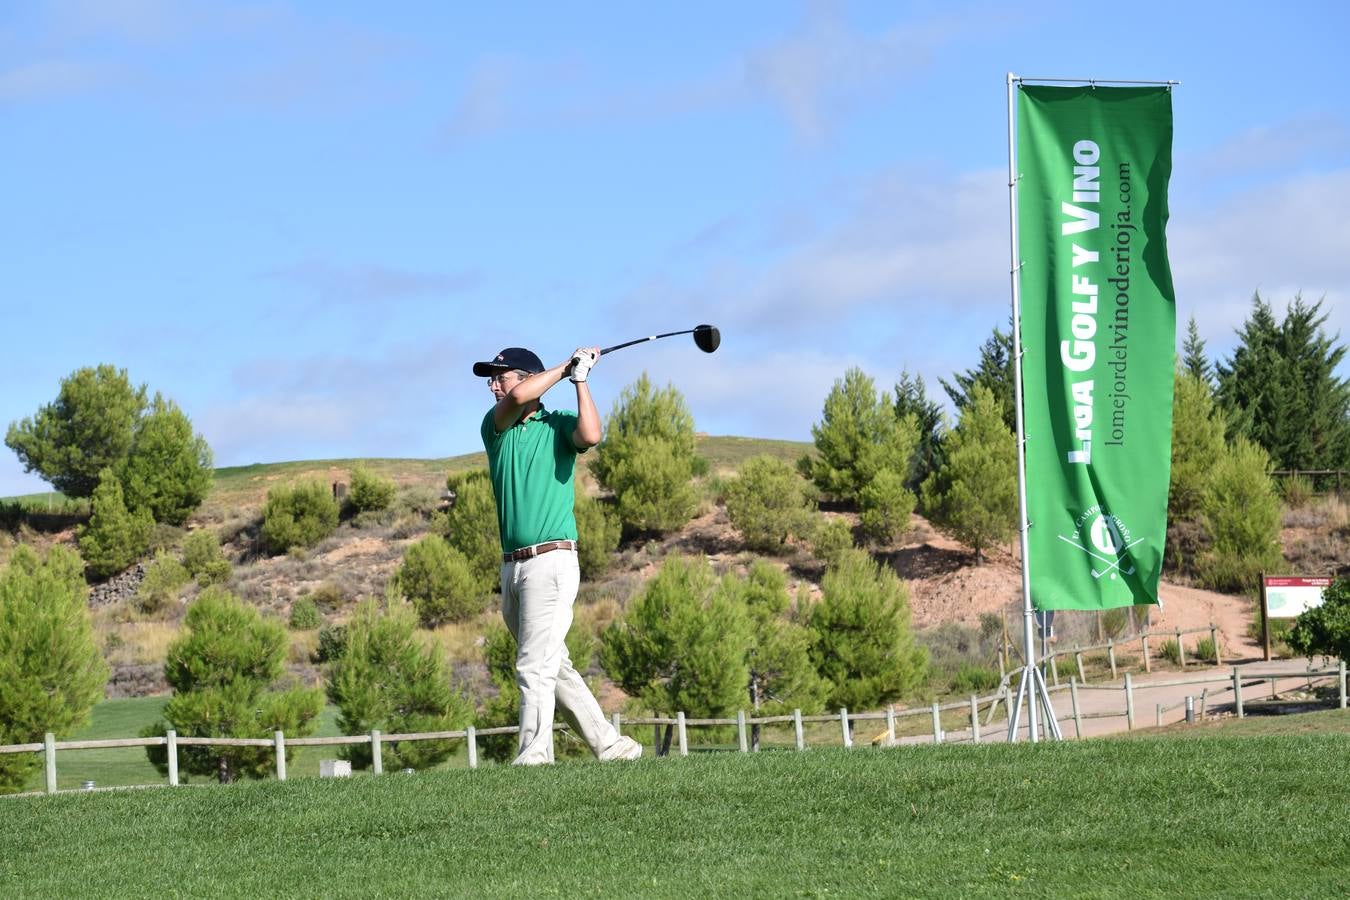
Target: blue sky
[304,221]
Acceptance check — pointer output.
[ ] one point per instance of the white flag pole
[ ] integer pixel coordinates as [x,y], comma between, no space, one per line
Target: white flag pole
[1032,687]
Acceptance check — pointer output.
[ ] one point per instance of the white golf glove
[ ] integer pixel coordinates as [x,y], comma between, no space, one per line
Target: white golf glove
[582,360]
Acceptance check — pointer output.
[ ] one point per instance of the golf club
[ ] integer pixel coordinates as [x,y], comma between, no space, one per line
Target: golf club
[706,337]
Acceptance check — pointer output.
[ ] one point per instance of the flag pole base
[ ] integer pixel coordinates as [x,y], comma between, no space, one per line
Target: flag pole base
[1033,689]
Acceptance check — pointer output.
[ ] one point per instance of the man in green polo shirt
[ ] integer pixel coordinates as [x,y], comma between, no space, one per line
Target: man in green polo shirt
[531,454]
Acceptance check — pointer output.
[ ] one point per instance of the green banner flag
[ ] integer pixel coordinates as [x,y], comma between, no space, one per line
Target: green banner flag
[1098,330]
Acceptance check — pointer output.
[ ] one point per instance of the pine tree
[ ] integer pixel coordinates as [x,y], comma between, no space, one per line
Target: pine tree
[51,669]
[911,399]
[647,458]
[1197,444]
[1281,391]
[88,428]
[388,677]
[858,437]
[115,537]
[225,670]
[1193,359]
[1240,510]
[682,643]
[767,502]
[168,469]
[862,645]
[973,496]
[994,372]
[472,526]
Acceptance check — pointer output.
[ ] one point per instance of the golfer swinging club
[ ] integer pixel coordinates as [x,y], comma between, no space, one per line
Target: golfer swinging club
[531,455]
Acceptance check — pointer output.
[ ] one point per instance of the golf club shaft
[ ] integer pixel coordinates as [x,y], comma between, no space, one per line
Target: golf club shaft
[643,340]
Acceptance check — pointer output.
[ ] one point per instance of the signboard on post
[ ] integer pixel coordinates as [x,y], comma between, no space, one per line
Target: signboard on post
[1285,596]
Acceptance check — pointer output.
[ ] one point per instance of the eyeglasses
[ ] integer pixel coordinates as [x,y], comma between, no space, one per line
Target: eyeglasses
[500,377]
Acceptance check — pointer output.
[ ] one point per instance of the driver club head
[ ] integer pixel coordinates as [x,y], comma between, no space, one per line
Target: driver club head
[707,337]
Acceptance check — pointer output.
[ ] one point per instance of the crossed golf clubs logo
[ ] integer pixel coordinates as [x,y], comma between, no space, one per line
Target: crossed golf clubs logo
[1106,545]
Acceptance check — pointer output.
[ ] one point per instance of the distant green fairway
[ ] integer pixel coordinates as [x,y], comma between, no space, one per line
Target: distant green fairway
[1214,815]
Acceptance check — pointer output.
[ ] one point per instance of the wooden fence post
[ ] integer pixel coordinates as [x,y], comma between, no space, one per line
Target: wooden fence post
[1237,692]
[1181,650]
[171,744]
[1148,663]
[974,719]
[614,720]
[937,724]
[279,742]
[843,723]
[1214,639]
[1077,715]
[376,752]
[1078,658]
[1340,669]
[740,731]
[656,740]
[1111,652]
[797,727]
[890,725]
[471,737]
[1129,702]
[1054,670]
[683,736]
[49,760]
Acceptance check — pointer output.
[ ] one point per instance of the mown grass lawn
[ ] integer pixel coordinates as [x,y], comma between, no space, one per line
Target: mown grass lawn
[1219,815]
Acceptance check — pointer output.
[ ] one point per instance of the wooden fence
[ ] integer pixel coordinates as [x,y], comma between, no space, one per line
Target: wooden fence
[1178,634]
[968,710]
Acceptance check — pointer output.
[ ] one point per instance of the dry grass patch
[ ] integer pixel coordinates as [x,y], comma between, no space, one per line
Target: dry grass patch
[136,643]
[463,641]
[304,647]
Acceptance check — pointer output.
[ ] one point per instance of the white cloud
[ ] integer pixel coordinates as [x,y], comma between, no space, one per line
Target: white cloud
[1281,239]
[372,283]
[45,79]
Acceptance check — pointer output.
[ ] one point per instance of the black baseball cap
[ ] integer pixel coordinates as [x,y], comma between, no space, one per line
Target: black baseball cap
[508,359]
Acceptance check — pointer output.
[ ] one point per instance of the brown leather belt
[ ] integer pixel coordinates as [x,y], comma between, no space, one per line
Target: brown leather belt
[533,551]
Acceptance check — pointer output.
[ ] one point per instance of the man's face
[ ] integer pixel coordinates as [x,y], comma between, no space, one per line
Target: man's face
[502,382]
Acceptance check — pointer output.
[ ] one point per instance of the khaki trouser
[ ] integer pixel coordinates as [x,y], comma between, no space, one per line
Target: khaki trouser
[537,598]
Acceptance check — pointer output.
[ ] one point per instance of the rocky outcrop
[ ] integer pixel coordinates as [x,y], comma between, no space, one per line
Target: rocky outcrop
[118,588]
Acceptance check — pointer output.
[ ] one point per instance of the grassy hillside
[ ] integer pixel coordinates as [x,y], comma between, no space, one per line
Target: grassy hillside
[1237,816]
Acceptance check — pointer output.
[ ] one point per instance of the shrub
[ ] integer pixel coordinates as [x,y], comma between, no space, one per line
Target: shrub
[1297,491]
[1170,651]
[164,578]
[1241,512]
[862,644]
[328,596]
[51,670]
[598,533]
[223,670]
[439,581]
[472,528]
[885,504]
[369,492]
[832,537]
[203,558]
[332,641]
[1205,650]
[1325,629]
[305,615]
[1115,621]
[647,458]
[298,516]
[971,679]
[114,537]
[767,503]
[389,678]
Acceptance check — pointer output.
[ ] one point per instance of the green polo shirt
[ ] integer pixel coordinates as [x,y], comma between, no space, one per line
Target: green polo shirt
[531,465]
